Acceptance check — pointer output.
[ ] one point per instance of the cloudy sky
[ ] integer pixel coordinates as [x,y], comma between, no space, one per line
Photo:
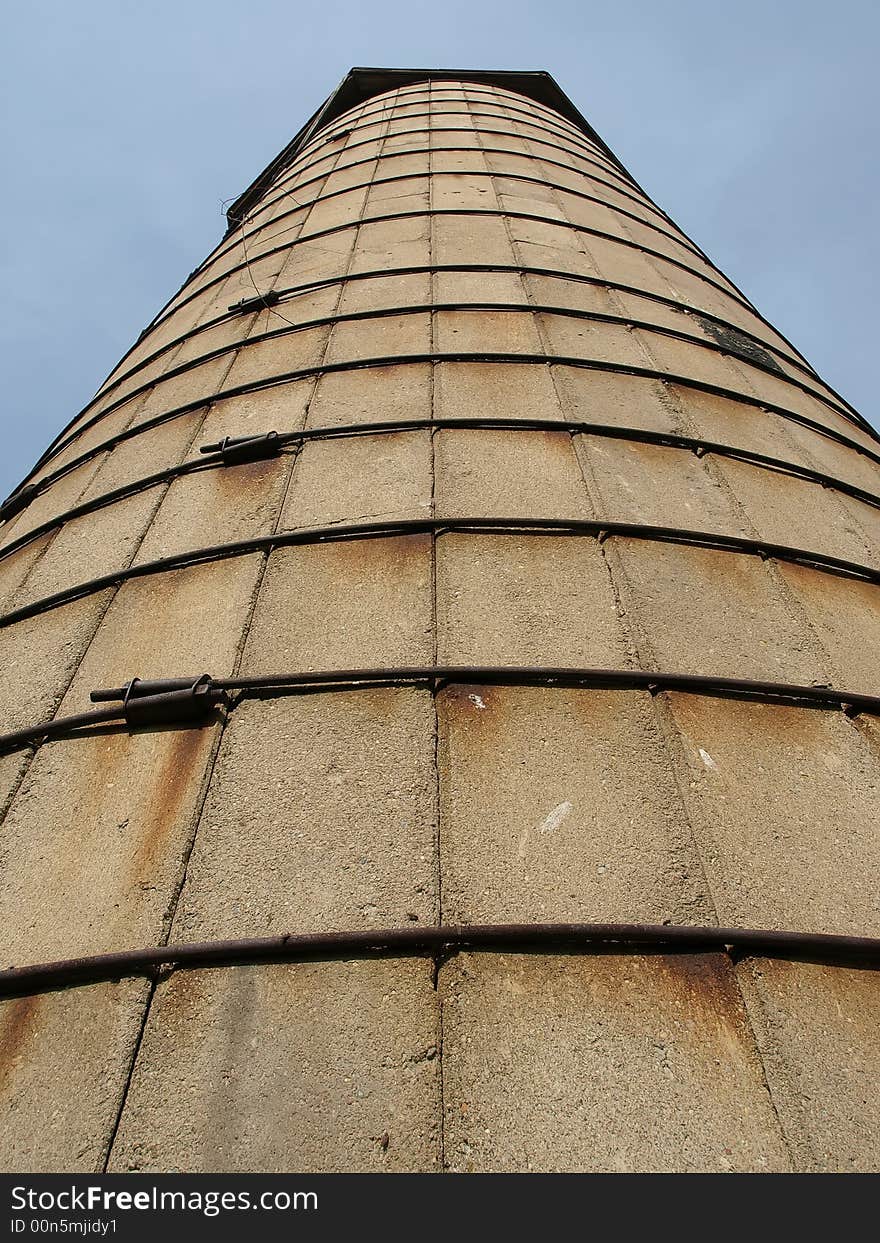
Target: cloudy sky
[125,126]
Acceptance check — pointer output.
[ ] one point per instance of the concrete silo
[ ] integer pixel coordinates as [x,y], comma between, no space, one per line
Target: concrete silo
[536,579]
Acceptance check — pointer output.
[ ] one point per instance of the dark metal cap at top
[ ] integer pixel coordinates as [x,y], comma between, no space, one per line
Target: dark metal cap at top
[360,84]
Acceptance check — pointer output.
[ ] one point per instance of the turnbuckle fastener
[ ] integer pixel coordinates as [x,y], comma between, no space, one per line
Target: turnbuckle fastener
[165,701]
[15,503]
[257,303]
[235,450]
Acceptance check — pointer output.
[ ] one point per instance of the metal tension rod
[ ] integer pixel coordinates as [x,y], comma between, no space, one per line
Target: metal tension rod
[630,243]
[169,701]
[304,205]
[738,350]
[194,701]
[443,941]
[409,360]
[288,292]
[233,451]
[600,530]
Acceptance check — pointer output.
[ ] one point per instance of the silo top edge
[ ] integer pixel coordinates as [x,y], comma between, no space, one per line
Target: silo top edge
[362,83]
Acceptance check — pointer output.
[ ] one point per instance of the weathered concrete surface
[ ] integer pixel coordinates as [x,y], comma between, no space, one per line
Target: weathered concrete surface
[40,655]
[491,473]
[363,479]
[377,394]
[787,800]
[343,605]
[512,390]
[217,506]
[621,400]
[602,1064]
[94,848]
[15,567]
[195,385]
[384,337]
[342,838]
[817,1029]
[380,806]
[64,1061]
[494,593]
[70,559]
[845,616]
[63,493]
[558,805]
[281,408]
[94,842]
[710,612]
[273,1068]
[658,486]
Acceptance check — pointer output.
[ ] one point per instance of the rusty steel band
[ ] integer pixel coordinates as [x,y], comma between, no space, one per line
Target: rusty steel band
[440,172]
[728,349]
[429,213]
[587,158]
[295,184]
[442,942]
[564,527]
[211,460]
[351,124]
[398,360]
[194,702]
[331,112]
[278,296]
[438,212]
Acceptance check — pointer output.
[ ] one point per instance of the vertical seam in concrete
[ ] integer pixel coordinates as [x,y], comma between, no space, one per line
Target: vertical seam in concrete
[674,746]
[787,596]
[758,1020]
[672,742]
[637,648]
[438,799]
[59,699]
[174,899]
[123,1095]
[171,910]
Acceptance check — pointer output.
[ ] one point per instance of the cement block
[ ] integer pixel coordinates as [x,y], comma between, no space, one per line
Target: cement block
[273,1068]
[710,612]
[321,815]
[816,1027]
[509,390]
[538,600]
[64,1062]
[487,473]
[279,356]
[361,479]
[40,655]
[493,332]
[602,1064]
[785,802]
[386,336]
[558,805]
[375,394]
[624,401]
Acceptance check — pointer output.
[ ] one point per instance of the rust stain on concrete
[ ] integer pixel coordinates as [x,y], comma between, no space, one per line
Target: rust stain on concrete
[17,1023]
[178,775]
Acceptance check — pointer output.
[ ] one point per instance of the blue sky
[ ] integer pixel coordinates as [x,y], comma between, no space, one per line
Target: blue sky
[125,126]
